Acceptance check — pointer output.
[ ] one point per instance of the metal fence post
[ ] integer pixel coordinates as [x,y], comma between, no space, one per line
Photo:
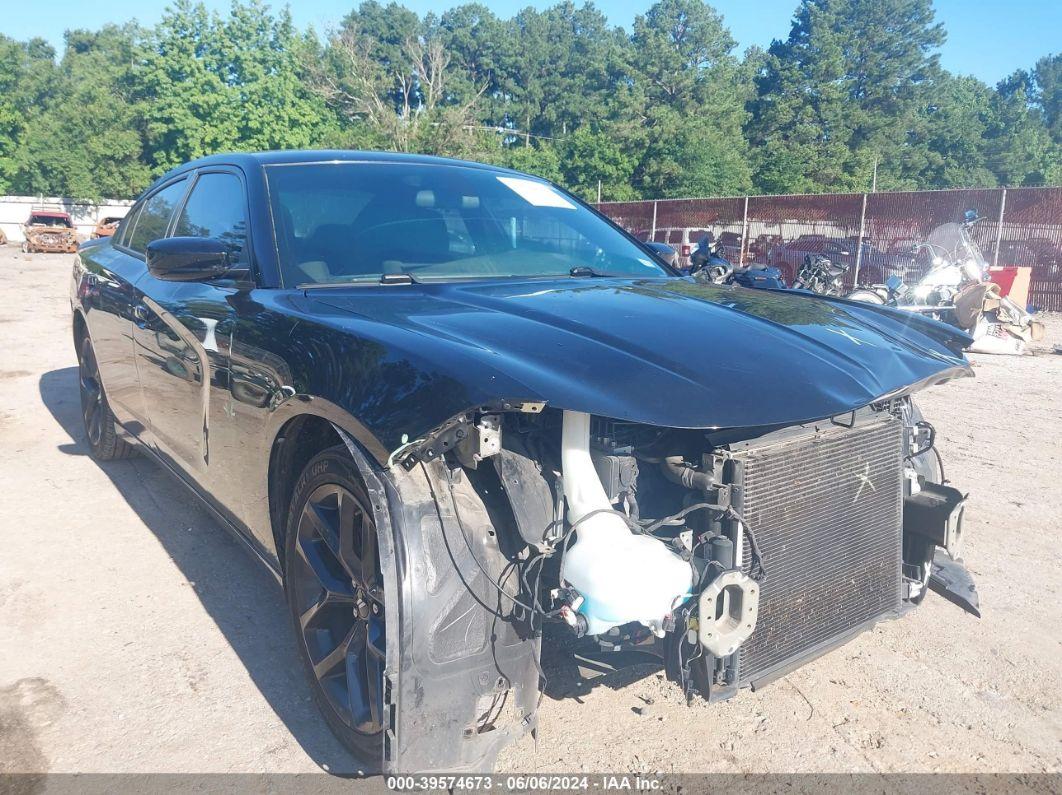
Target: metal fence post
[744,232]
[999,227]
[859,243]
[652,234]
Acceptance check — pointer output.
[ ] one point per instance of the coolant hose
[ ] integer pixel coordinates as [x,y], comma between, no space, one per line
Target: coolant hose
[675,470]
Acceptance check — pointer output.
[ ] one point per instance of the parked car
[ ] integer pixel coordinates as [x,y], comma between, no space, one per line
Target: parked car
[1038,252]
[49,231]
[761,246]
[106,226]
[729,244]
[842,251]
[683,239]
[446,403]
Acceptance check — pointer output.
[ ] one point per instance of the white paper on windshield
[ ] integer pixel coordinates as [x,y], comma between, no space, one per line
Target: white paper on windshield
[536,193]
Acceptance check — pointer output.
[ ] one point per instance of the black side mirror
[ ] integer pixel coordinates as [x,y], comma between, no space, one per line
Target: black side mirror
[188,259]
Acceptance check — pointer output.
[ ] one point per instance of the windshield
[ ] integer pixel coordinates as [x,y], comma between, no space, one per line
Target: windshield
[49,220]
[954,244]
[341,223]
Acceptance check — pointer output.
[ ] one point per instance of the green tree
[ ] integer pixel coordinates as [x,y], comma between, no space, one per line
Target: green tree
[541,159]
[399,95]
[1020,150]
[213,84]
[589,157]
[689,92]
[29,80]
[564,64]
[679,50]
[668,110]
[481,54]
[1047,82]
[950,147]
[844,91]
[96,150]
[695,158]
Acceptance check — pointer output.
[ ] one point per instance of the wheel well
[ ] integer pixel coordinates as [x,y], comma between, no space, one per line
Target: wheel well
[299,440]
[80,330]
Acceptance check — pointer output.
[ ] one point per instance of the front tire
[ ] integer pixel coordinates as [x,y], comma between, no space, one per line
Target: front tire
[336,598]
[100,425]
[867,296]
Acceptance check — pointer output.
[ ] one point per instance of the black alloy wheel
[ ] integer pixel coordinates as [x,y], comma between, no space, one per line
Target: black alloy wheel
[335,592]
[96,415]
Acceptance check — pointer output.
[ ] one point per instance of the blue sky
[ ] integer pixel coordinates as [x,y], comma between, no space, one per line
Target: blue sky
[986,38]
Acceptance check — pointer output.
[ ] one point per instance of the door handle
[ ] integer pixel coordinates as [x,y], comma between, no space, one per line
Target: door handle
[140,312]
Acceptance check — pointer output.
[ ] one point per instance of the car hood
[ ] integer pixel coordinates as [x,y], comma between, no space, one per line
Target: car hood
[672,352]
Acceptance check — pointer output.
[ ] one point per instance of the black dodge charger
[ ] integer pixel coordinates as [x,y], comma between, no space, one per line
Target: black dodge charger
[458,412]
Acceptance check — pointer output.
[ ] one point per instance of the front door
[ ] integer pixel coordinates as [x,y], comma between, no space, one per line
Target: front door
[182,333]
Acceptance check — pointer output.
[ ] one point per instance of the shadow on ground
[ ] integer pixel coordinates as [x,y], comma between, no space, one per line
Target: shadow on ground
[247,604]
[574,668]
[237,592]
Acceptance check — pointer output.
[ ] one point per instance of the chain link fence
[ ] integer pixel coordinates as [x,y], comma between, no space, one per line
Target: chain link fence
[873,233]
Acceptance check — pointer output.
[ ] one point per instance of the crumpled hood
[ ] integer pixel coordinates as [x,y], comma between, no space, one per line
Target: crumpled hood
[669,352]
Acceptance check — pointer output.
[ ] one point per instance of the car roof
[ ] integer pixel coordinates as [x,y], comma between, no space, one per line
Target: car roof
[49,214]
[250,160]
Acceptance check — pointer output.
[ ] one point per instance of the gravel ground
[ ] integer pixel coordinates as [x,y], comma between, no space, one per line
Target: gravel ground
[136,636]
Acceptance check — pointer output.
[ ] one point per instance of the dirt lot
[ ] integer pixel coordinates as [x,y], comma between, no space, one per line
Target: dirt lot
[136,636]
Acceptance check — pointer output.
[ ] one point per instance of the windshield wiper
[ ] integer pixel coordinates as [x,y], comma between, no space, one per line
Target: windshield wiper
[398,278]
[586,271]
[385,278]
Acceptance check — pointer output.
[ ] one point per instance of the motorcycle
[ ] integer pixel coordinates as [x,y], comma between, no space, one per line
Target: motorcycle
[888,294]
[956,289]
[708,263]
[818,274]
[821,275]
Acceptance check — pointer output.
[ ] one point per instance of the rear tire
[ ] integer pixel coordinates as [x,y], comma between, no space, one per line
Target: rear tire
[335,594]
[100,425]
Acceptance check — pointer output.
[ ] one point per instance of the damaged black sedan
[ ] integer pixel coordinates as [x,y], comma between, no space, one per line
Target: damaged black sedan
[450,406]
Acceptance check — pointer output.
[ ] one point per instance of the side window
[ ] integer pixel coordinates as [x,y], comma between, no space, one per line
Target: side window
[126,230]
[216,208]
[155,216]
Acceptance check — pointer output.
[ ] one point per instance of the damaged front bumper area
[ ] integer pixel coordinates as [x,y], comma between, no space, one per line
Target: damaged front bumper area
[734,556]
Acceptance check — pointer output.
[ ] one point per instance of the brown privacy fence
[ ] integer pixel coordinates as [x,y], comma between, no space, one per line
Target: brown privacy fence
[874,233]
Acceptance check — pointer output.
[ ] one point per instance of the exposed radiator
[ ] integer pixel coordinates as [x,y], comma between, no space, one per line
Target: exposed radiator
[826,507]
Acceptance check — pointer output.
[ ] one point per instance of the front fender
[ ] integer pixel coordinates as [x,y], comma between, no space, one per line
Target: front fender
[462,674]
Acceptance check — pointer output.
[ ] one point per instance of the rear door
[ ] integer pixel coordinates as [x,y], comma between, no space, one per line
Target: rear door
[109,297]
